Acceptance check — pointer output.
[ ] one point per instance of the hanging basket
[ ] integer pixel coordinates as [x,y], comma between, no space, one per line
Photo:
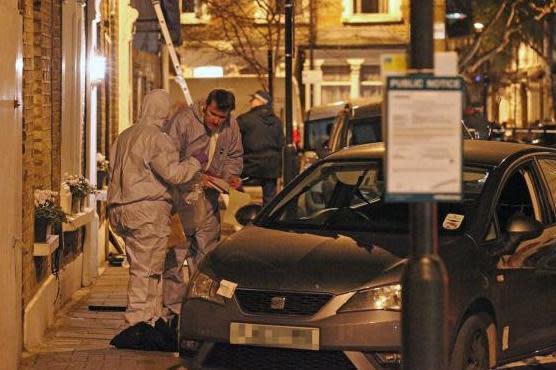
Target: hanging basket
[42,230]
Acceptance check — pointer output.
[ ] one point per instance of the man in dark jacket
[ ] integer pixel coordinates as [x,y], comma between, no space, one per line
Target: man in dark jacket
[263,139]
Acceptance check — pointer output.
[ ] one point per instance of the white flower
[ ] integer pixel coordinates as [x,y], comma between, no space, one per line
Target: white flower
[44,198]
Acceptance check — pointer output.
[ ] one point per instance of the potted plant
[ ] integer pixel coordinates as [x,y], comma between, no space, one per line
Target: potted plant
[79,187]
[47,214]
[102,170]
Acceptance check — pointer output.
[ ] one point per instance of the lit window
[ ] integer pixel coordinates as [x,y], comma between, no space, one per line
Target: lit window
[193,11]
[370,6]
[188,6]
[369,11]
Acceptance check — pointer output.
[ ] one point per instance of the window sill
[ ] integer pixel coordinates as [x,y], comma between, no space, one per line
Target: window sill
[47,248]
[191,18]
[371,18]
[77,220]
[303,19]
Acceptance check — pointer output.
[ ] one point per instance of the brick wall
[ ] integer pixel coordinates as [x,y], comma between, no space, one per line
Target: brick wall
[38,115]
[113,73]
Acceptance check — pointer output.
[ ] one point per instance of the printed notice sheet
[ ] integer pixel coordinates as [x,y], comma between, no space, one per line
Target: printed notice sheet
[424,139]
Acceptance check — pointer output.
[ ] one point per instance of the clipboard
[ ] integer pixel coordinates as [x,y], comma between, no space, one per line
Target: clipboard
[237,199]
[219,184]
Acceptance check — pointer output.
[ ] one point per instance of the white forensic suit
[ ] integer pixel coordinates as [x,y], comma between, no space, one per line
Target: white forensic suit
[144,162]
[225,154]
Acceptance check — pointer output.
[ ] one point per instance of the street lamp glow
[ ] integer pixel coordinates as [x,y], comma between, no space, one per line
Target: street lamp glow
[478,26]
[97,68]
[456,16]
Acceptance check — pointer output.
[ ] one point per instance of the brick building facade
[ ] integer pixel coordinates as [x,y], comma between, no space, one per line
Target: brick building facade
[41,123]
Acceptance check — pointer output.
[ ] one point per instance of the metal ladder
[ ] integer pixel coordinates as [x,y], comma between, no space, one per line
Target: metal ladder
[172,50]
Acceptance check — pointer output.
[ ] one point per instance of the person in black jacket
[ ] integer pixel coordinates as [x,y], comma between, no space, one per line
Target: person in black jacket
[263,139]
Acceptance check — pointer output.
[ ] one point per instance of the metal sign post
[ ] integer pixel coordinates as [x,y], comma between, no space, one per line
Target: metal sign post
[290,154]
[172,51]
[413,125]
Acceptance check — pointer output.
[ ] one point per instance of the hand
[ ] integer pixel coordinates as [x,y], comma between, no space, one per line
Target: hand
[205,181]
[235,182]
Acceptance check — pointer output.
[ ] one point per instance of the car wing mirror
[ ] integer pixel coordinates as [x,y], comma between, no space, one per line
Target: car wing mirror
[246,214]
[520,228]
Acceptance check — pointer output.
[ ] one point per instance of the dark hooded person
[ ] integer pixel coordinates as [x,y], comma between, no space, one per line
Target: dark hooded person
[263,140]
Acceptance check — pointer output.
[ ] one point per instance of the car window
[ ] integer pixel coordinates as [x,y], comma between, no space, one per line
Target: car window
[363,131]
[350,196]
[548,168]
[317,133]
[517,196]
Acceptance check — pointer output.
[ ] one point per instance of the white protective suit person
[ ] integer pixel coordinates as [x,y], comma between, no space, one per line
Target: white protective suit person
[144,162]
[208,127]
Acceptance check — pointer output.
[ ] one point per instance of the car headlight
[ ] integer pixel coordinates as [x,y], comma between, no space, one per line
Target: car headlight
[388,297]
[203,287]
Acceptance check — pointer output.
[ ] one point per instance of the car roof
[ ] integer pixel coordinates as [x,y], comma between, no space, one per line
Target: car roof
[366,110]
[331,110]
[491,153]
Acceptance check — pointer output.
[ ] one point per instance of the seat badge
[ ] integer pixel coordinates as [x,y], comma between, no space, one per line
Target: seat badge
[278,303]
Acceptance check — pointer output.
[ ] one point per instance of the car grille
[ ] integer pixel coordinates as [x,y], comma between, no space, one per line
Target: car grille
[259,302]
[262,358]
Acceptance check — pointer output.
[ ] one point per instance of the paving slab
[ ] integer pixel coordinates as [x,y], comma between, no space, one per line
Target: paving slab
[79,338]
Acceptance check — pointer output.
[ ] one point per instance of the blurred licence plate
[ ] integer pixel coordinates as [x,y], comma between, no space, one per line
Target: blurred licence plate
[275,336]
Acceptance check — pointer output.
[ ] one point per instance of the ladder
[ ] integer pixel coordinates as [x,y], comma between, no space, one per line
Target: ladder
[172,51]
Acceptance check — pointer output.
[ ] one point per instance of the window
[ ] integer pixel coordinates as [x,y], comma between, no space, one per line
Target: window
[518,196]
[188,6]
[548,167]
[193,11]
[370,6]
[369,11]
[262,12]
[348,195]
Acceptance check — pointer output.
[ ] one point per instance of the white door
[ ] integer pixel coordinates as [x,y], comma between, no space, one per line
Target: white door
[11,66]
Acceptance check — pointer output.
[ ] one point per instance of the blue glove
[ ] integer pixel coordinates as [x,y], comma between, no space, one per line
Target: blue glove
[202,157]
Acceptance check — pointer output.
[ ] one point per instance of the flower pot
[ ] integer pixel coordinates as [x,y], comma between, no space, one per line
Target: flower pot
[76,204]
[101,178]
[42,230]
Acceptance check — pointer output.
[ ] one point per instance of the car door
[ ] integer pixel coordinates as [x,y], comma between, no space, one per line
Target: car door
[543,260]
[522,294]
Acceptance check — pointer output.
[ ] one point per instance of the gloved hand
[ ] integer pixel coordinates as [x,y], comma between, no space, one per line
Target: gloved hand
[202,157]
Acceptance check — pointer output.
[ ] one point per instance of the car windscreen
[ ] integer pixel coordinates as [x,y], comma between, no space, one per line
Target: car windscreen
[317,133]
[347,195]
[363,131]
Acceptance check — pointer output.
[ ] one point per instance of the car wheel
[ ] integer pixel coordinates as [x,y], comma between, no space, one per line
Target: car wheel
[471,350]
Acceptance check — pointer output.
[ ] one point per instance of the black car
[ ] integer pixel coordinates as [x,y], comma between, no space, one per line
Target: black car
[314,281]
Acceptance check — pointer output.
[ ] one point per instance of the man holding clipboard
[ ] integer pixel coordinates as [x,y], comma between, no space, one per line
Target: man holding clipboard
[207,126]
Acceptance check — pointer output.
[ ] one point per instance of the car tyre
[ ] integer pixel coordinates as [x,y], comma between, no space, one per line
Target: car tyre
[471,350]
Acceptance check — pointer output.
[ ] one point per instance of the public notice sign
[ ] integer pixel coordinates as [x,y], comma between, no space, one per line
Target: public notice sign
[423,138]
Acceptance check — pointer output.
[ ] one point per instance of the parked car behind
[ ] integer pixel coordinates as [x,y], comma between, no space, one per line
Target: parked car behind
[332,127]
[359,122]
[318,272]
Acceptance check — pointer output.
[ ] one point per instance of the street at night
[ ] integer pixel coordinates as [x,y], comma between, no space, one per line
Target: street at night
[278,184]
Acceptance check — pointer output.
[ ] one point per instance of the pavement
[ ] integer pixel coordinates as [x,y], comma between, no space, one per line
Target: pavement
[80,337]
